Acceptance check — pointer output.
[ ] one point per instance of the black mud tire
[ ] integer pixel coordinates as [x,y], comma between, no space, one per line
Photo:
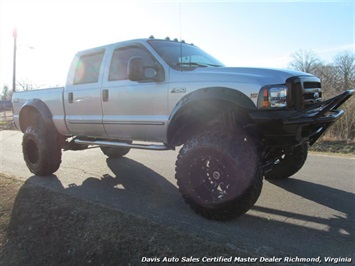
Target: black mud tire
[219,175]
[290,164]
[113,152]
[42,150]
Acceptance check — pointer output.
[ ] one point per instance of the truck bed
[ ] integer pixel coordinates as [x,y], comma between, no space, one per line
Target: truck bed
[52,97]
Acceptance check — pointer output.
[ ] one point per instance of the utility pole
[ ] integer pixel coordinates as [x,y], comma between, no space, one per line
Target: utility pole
[14,65]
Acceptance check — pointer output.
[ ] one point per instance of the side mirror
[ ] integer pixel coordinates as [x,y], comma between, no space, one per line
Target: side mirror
[150,73]
[138,72]
[135,68]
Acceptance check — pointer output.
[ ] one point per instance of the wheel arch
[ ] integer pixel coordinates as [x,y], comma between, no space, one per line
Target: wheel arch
[204,107]
[33,113]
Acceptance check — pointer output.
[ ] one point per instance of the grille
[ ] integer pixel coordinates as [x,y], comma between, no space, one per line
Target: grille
[312,92]
[303,92]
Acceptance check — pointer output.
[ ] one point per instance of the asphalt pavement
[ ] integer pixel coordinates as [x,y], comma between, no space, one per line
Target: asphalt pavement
[309,215]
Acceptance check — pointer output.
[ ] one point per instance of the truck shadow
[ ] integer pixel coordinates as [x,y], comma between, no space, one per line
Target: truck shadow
[332,198]
[134,188]
[131,186]
[332,232]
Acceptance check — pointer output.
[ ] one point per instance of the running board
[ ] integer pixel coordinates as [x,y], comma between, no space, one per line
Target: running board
[123,145]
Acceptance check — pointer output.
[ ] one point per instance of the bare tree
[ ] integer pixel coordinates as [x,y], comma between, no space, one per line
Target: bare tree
[27,85]
[345,66]
[336,78]
[6,93]
[305,61]
[328,76]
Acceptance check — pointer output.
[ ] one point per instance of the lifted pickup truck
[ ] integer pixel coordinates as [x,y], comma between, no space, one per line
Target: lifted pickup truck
[236,125]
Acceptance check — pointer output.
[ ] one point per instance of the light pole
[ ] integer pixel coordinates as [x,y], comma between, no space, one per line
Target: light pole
[14,65]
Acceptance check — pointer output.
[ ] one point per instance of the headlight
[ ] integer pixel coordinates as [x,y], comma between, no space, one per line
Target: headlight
[273,97]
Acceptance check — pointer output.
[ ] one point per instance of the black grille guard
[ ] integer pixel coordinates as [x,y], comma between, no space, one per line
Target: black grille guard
[322,112]
[313,122]
[283,128]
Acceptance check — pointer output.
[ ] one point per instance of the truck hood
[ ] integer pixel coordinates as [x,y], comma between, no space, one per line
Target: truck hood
[262,76]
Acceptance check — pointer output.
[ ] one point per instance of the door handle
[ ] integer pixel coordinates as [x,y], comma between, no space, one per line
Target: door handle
[105,95]
[70,97]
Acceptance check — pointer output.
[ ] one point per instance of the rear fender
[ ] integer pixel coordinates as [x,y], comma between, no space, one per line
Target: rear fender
[35,113]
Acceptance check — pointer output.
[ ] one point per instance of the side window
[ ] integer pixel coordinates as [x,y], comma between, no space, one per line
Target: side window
[88,68]
[120,59]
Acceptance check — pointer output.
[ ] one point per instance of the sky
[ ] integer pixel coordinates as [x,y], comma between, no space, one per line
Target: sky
[238,33]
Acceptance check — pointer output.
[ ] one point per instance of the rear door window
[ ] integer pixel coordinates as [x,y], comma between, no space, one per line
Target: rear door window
[88,68]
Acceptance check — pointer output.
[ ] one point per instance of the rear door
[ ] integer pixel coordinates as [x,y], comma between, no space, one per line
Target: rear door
[82,95]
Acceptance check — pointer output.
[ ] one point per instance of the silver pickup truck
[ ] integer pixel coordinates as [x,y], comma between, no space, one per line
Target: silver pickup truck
[236,125]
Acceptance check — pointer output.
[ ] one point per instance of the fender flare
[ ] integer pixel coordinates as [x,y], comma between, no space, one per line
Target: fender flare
[218,95]
[31,108]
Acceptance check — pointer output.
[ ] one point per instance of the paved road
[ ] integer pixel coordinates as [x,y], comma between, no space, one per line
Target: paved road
[311,214]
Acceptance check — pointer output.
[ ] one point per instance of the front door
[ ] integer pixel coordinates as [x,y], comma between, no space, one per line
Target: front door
[133,110]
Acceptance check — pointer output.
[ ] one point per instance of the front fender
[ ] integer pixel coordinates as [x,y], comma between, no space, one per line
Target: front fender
[207,101]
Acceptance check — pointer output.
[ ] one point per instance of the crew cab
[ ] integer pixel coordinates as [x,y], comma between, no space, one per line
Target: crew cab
[236,125]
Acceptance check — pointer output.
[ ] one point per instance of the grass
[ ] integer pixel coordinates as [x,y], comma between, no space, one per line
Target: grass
[8,189]
[334,146]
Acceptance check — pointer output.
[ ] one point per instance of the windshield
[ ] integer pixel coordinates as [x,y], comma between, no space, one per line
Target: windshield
[182,55]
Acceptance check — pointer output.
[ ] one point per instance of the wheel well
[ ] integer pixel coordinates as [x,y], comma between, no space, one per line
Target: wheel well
[204,114]
[35,113]
[29,116]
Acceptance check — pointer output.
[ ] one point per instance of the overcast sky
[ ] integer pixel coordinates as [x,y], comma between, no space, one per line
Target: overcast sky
[238,33]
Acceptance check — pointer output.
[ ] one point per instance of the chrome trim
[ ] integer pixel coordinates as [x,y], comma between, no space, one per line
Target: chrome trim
[124,145]
[80,122]
[147,123]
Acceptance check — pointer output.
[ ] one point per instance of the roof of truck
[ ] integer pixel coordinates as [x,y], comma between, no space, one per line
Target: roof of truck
[140,40]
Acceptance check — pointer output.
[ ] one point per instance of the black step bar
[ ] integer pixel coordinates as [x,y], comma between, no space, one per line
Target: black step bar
[109,143]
